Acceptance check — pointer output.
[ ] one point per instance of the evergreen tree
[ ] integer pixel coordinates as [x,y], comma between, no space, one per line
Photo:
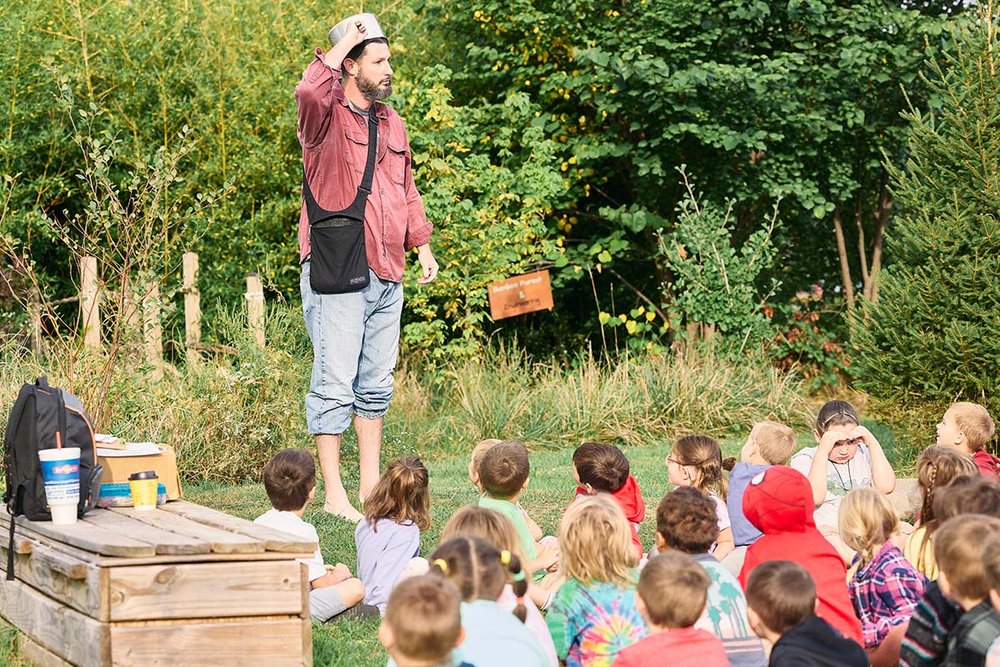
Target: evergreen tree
[934,333]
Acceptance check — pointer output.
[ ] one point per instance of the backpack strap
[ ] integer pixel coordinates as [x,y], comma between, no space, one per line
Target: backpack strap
[10,546]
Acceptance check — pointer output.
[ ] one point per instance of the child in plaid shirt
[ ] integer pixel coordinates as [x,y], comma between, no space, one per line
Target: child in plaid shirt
[884,586]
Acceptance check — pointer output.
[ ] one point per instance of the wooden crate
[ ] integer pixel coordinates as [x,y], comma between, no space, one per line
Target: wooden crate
[182,584]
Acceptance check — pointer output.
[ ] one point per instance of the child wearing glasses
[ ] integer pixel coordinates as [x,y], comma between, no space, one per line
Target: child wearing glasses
[846,456]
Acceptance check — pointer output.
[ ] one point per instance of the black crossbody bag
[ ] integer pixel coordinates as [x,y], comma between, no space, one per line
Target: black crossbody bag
[338,259]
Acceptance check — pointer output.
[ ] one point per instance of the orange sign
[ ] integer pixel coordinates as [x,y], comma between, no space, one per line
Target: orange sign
[520,294]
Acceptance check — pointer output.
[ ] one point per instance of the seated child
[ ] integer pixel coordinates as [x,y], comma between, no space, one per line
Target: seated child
[991,560]
[494,637]
[925,641]
[696,460]
[781,600]
[600,468]
[594,614]
[769,444]
[290,482]
[388,538]
[503,473]
[779,503]
[686,523]
[958,549]
[884,586]
[422,624]
[967,428]
[474,521]
[475,459]
[936,468]
[671,597]
[847,456]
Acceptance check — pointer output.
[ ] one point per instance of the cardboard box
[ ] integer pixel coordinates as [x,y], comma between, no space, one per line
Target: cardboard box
[118,468]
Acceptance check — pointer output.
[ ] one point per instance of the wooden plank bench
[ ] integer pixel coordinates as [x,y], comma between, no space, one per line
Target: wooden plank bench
[182,584]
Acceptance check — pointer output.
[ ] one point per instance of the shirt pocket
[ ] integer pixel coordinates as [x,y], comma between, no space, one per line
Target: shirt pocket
[395,162]
[356,149]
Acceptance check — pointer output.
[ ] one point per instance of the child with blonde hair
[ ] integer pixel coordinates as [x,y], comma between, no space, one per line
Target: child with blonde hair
[671,596]
[769,444]
[884,586]
[494,637]
[473,521]
[388,538]
[936,468]
[696,460]
[846,456]
[967,428]
[594,615]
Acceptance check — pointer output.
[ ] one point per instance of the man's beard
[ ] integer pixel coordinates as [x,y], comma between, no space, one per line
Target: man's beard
[371,90]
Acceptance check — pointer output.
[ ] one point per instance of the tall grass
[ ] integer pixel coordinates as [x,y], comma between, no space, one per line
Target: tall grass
[227,415]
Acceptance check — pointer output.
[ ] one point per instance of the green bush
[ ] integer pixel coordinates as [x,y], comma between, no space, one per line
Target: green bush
[932,334]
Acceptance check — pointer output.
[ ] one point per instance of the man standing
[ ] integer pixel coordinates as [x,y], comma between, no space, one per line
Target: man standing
[355,334]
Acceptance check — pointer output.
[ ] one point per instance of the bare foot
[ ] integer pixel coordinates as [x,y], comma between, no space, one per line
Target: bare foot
[348,513]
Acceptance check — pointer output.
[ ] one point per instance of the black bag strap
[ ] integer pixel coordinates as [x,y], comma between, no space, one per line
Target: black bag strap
[356,210]
[10,545]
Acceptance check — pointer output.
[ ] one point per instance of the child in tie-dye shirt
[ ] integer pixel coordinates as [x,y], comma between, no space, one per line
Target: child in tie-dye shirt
[594,615]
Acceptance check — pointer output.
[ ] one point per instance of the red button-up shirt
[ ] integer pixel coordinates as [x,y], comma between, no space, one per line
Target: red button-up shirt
[334,141]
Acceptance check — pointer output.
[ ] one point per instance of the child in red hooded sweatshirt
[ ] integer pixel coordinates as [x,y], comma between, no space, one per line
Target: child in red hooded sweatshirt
[779,503]
[600,468]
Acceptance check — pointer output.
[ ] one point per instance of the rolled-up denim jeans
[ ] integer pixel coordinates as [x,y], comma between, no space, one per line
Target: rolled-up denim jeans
[355,339]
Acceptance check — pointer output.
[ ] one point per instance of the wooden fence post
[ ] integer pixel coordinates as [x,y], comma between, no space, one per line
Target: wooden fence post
[152,329]
[192,305]
[255,307]
[90,309]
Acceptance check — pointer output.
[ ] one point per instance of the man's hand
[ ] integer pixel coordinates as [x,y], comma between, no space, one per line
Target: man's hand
[428,265]
[355,34]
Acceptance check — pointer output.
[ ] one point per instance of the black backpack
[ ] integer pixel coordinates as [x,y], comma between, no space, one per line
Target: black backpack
[44,417]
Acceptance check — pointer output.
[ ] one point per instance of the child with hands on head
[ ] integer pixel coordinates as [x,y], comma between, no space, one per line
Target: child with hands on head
[290,482]
[594,614]
[494,637]
[884,586]
[846,456]
[671,597]
[696,460]
[388,538]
